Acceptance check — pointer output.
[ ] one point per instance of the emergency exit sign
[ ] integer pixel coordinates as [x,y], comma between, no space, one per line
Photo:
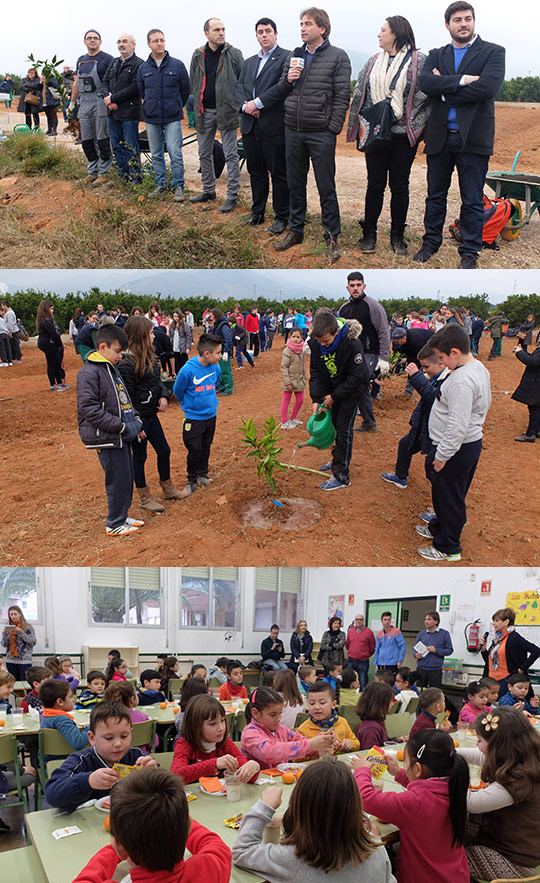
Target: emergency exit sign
[444,603]
[485,587]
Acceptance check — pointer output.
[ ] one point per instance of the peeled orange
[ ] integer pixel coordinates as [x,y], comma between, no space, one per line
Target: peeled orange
[401,754]
[288,777]
[107,823]
[163,705]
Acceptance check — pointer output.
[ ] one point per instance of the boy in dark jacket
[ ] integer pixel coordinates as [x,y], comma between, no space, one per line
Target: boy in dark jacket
[426,382]
[222,329]
[149,692]
[339,377]
[90,774]
[108,423]
[240,339]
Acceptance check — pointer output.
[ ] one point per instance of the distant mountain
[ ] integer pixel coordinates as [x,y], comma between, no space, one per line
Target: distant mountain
[358,60]
[222,284]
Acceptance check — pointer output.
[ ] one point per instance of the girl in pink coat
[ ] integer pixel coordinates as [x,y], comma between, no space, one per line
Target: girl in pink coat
[434,805]
[477,698]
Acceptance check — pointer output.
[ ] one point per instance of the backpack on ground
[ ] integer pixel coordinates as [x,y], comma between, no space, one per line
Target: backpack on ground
[497,213]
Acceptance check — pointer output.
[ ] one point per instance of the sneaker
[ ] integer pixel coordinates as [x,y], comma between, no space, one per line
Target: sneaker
[204,480]
[467,262]
[427,516]
[190,487]
[134,522]
[64,385]
[100,180]
[366,427]
[333,484]
[433,554]
[178,194]
[424,531]
[296,421]
[393,479]
[121,531]
[56,387]
[288,425]
[326,468]
[157,192]
[89,179]
[17,361]
[5,365]
[525,438]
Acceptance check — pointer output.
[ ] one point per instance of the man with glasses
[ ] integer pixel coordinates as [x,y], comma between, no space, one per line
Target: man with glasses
[163,83]
[90,89]
[124,107]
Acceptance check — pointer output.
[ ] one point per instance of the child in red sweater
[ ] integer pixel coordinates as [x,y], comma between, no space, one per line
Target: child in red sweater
[434,803]
[432,703]
[234,688]
[153,801]
[205,748]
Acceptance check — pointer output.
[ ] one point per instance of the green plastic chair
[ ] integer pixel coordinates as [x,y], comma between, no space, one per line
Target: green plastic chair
[50,741]
[143,733]
[8,754]
[214,683]
[163,758]
[350,715]
[175,688]
[412,706]
[300,718]
[398,725]
[395,708]
[53,765]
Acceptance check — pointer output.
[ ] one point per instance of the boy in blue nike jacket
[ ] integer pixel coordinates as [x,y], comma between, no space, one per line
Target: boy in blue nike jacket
[195,388]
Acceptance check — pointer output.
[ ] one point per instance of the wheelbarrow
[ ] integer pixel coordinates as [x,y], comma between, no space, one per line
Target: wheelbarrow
[518,188]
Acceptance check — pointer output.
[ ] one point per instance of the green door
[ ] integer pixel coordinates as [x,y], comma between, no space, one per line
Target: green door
[374,611]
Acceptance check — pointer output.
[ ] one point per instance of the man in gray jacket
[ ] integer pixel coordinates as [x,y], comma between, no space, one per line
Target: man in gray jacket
[317,85]
[215,68]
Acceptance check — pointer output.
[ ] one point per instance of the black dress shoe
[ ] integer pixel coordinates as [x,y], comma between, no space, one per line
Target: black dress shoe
[253,220]
[288,241]
[205,196]
[277,227]
[422,256]
[228,206]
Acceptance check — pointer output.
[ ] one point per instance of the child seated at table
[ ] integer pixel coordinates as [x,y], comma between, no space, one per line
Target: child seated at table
[94,692]
[53,664]
[88,774]
[153,804]
[35,676]
[507,843]
[404,686]
[348,688]
[7,682]
[384,677]
[219,670]
[323,717]
[192,687]
[432,703]
[149,691]
[170,670]
[518,688]
[115,654]
[373,705]
[493,689]
[205,748]
[434,805]
[334,675]
[310,848]
[116,670]
[266,740]
[267,678]
[233,688]
[58,701]
[8,776]
[286,685]
[198,671]
[477,697]
[67,669]
[125,693]
[307,675]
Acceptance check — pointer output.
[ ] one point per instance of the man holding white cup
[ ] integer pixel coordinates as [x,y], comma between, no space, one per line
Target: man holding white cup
[317,86]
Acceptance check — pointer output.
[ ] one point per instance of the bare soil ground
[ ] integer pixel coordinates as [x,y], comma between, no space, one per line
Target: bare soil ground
[49,210]
[53,502]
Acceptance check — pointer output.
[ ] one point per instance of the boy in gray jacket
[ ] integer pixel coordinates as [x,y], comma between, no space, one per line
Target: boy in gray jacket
[455,430]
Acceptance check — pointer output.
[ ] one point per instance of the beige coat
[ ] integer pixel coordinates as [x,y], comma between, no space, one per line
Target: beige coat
[293,370]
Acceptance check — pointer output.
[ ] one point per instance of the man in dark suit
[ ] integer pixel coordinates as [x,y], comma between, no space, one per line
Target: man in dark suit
[462,78]
[262,124]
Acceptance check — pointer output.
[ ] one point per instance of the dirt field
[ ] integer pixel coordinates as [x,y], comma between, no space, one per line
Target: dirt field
[44,207]
[53,503]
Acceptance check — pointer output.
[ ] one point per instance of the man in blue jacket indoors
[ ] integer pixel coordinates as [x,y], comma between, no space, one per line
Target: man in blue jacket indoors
[163,82]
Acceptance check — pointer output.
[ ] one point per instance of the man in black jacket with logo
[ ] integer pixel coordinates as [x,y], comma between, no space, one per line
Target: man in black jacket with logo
[462,79]
[260,101]
[124,109]
[317,86]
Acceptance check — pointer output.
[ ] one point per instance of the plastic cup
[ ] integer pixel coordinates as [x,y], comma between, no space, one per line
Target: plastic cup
[17,718]
[3,714]
[233,787]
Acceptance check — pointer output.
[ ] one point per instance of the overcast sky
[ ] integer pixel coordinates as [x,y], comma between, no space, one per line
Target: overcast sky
[383,284]
[354,27]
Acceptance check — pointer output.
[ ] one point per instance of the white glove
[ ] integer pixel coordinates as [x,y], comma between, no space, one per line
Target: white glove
[225,357]
[383,366]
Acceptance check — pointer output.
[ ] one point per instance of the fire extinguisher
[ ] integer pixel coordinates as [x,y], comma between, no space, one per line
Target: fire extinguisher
[472,636]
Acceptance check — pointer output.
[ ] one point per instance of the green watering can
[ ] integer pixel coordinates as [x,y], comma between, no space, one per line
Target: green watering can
[321,430]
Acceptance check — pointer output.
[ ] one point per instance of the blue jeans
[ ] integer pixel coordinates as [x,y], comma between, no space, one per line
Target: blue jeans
[361,667]
[276,666]
[471,169]
[166,136]
[124,135]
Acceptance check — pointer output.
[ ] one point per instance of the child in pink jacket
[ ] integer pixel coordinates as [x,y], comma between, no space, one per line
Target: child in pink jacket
[269,743]
[434,804]
[477,698]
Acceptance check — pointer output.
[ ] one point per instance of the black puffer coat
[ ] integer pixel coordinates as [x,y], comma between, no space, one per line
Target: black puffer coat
[145,392]
[528,391]
[319,100]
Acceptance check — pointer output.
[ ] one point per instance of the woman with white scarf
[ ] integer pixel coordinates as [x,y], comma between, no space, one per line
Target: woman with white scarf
[391,161]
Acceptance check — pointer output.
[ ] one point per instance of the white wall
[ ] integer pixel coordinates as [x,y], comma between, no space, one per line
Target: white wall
[65,625]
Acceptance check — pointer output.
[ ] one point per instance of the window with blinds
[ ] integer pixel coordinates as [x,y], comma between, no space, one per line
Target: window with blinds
[210,598]
[128,595]
[278,597]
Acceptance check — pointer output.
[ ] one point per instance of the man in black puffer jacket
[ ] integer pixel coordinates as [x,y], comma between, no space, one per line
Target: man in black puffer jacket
[317,85]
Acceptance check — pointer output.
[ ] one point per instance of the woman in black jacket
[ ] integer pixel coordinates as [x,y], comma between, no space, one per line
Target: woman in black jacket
[30,85]
[140,372]
[50,343]
[528,391]
[301,646]
[509,651]
[333,642]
